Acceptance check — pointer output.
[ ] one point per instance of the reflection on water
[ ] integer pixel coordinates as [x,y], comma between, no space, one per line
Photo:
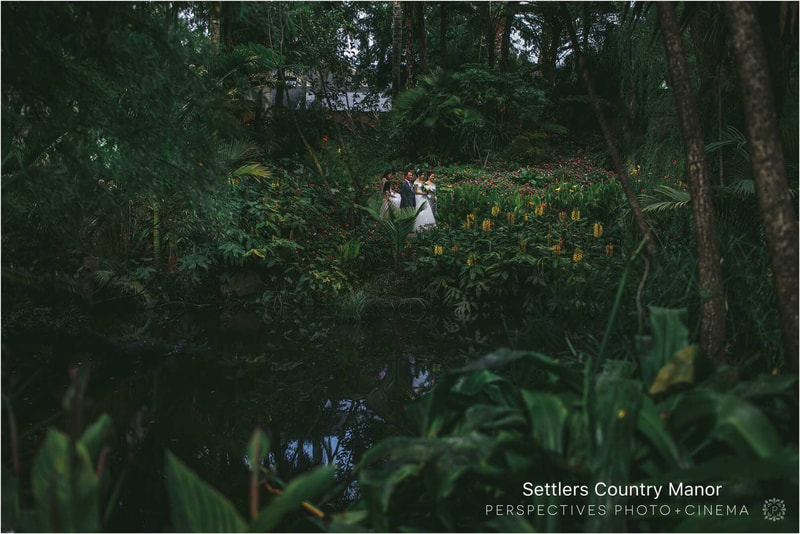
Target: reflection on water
[323,392]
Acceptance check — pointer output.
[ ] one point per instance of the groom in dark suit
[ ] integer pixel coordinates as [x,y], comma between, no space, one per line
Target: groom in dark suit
[407,198]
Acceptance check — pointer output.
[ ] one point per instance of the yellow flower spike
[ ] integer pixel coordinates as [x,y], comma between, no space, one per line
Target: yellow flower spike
[622,413]
[454,249]
[472,260]
[556,251]
[539,211]
[511,218]
[523,245]
[576,215]
[562,215]
[487,225]
[438,250]
[495,210]
[609,250]
[577,255]
[598,229]
[526,218]
[561,242]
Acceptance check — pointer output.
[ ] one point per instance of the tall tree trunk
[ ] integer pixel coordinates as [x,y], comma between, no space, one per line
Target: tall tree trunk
[775,204]
[397,42]
[409,39]
[587,25]
[280,89]
[712,329]
[423,37]
[505,39]
[216,16]
[612,147]
[443,35]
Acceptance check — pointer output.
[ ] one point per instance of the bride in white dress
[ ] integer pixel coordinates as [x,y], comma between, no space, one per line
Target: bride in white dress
[425,219]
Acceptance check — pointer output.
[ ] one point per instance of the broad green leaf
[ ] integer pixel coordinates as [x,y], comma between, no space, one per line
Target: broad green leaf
[473,383]
[257,449]
[303,488]
[194,505]
[548,414]
[730,467]
[669,336]
[381,483]
[731,419]
[653,427]
[66,490]
[94,435]
[679,369]
[484,416]
[10,500]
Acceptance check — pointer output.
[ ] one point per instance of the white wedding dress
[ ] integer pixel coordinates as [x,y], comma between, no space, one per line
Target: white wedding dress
[425,218]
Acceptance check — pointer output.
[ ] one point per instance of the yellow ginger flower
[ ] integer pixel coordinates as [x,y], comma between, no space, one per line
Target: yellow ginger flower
[523,245]
[539,210]
[526,218]
[556,251]
[609,250]
[472,260]
[471,218]
[454,249]
[487,225]
[561,242]
[577,255]
[576,215]
[511,218]
[495,210]
[562,215]
[438,250]
[598,229]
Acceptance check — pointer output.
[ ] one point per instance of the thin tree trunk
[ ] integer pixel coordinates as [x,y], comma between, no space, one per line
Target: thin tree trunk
[409,38]
[612,147]
[156,234]
[443,35]
[769,170]
[712,329]
[587,25]
[397,42]
[423,38]
[490,34]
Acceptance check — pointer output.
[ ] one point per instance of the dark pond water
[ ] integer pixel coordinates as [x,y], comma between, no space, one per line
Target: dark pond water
[199,383]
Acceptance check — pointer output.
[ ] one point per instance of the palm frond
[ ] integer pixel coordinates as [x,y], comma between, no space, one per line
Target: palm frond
[669,199]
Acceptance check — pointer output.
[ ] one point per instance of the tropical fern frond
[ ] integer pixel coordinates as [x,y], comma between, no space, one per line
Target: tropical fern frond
[236,150]
[253,170]
[730,137]
[669,199]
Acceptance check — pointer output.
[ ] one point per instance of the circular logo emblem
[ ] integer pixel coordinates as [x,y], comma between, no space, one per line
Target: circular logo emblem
[774,509]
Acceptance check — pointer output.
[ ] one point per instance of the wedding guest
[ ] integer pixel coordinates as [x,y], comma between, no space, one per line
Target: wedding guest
[407,197]
[430,186]
[425,218]
[386,191]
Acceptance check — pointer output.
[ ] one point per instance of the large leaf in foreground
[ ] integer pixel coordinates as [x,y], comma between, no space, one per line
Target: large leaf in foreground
[66,489]
[733,420]
[196,506]
[303,488]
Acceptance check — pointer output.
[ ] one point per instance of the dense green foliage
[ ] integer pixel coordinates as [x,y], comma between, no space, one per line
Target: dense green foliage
[188,155]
